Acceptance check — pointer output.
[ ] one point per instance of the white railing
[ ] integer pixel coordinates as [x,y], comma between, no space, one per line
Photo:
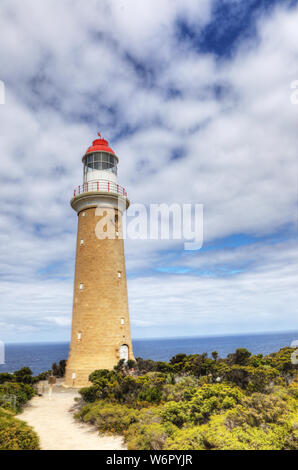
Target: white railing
[100,186]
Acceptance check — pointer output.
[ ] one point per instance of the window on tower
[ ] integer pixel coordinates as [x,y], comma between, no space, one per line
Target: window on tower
[100,161]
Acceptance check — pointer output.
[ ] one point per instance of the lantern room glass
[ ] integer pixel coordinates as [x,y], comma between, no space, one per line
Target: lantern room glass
[101,161]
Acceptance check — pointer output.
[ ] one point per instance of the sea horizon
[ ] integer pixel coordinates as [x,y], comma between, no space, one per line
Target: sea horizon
[40,356]
[153,338]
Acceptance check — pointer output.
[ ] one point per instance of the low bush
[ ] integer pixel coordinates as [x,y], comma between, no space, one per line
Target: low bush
[185,439]
[146,436]
[15,391]
[15,434]
[6,377]
[175,413]
[14,395]
[24,376]
[43,376]
[242,402]
[58,370]
[210,399]
[108,417]
[217,436]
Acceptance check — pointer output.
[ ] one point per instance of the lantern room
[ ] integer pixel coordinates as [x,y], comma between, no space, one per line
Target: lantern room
[100,162]
[100,170]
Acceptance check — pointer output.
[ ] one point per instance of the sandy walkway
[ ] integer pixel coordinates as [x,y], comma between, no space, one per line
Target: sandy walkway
[57,429]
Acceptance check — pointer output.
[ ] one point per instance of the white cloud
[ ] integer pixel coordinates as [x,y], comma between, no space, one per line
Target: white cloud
[263,298]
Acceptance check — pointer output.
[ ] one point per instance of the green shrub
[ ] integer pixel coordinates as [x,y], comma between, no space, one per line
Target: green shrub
[242,402]
[293,389]
[15,395]
[59,369]
[182,390]
[24,376]
[131,364]
[260,410]
[150,395]
[145,365]
[291,441]
[185,439]
[217,436]
[253,379]
[6,377]
[173,412]
[281,361]
[108,417]
[146,436]
[150,415]
[16,435]
[212,398]
[240,357]
[90,394]
[43,376]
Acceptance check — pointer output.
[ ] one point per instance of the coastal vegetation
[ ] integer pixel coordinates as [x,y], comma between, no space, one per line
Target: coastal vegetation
[15,391]
[242,402]
[58,370]
[192,402]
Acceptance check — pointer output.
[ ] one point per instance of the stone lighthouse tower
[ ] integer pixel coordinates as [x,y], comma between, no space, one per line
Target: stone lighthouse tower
[100,323]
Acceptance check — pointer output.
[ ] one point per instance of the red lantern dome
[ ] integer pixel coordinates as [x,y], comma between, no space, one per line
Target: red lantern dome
[100,145]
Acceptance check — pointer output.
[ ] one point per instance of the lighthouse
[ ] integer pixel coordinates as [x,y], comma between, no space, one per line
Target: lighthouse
[100,322]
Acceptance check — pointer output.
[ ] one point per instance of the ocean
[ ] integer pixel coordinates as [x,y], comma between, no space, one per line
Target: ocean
[40,356]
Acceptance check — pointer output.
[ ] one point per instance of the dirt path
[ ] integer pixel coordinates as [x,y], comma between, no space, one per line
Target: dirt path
[53,421]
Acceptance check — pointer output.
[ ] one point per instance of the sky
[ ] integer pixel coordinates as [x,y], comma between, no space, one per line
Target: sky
[195,98]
